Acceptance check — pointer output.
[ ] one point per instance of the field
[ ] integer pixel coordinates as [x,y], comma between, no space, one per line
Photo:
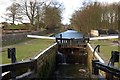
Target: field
[106,47]
[26,50]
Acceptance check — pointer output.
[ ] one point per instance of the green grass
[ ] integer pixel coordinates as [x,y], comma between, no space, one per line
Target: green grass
[19,26]
[106,47]
[27,50]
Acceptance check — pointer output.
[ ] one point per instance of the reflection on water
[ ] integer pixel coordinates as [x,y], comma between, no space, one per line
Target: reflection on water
[70,72]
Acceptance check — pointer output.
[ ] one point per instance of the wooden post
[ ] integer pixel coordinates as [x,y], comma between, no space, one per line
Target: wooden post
[95,70]
[61,38]
[12,55]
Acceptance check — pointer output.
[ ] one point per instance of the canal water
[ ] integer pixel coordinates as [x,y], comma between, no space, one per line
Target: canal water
[71,71]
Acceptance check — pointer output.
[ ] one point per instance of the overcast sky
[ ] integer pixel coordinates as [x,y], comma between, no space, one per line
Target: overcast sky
[69,5]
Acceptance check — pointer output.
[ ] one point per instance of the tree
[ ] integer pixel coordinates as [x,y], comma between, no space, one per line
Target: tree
[110,16]
[39,16]
[30,10]
[88,17]
[14,12]
[37,12]
[52,15]
[119,18]
[95,16]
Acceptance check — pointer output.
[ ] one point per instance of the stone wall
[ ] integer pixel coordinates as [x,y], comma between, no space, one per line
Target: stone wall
[46,62]
[8,39]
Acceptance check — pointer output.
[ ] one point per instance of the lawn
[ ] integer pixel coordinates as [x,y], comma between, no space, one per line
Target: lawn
[106,47]
[16,27]
[26,50]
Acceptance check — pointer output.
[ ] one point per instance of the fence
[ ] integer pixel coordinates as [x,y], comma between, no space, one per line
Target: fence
[39,67]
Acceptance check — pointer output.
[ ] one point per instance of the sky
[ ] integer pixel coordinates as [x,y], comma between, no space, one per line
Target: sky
[69,7]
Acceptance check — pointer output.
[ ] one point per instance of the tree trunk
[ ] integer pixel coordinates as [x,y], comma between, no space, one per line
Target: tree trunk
[13,19]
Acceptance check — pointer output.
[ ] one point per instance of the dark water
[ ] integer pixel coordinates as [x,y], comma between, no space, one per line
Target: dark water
[71,64]
[70,72]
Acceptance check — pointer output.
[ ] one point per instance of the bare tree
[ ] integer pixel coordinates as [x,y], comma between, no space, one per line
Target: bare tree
[30,10]
[39,16]
[14,12]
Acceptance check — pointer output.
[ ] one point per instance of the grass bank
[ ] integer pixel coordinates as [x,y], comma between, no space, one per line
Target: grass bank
[26,50]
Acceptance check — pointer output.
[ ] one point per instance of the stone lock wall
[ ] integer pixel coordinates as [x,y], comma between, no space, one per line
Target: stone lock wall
[8,39]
